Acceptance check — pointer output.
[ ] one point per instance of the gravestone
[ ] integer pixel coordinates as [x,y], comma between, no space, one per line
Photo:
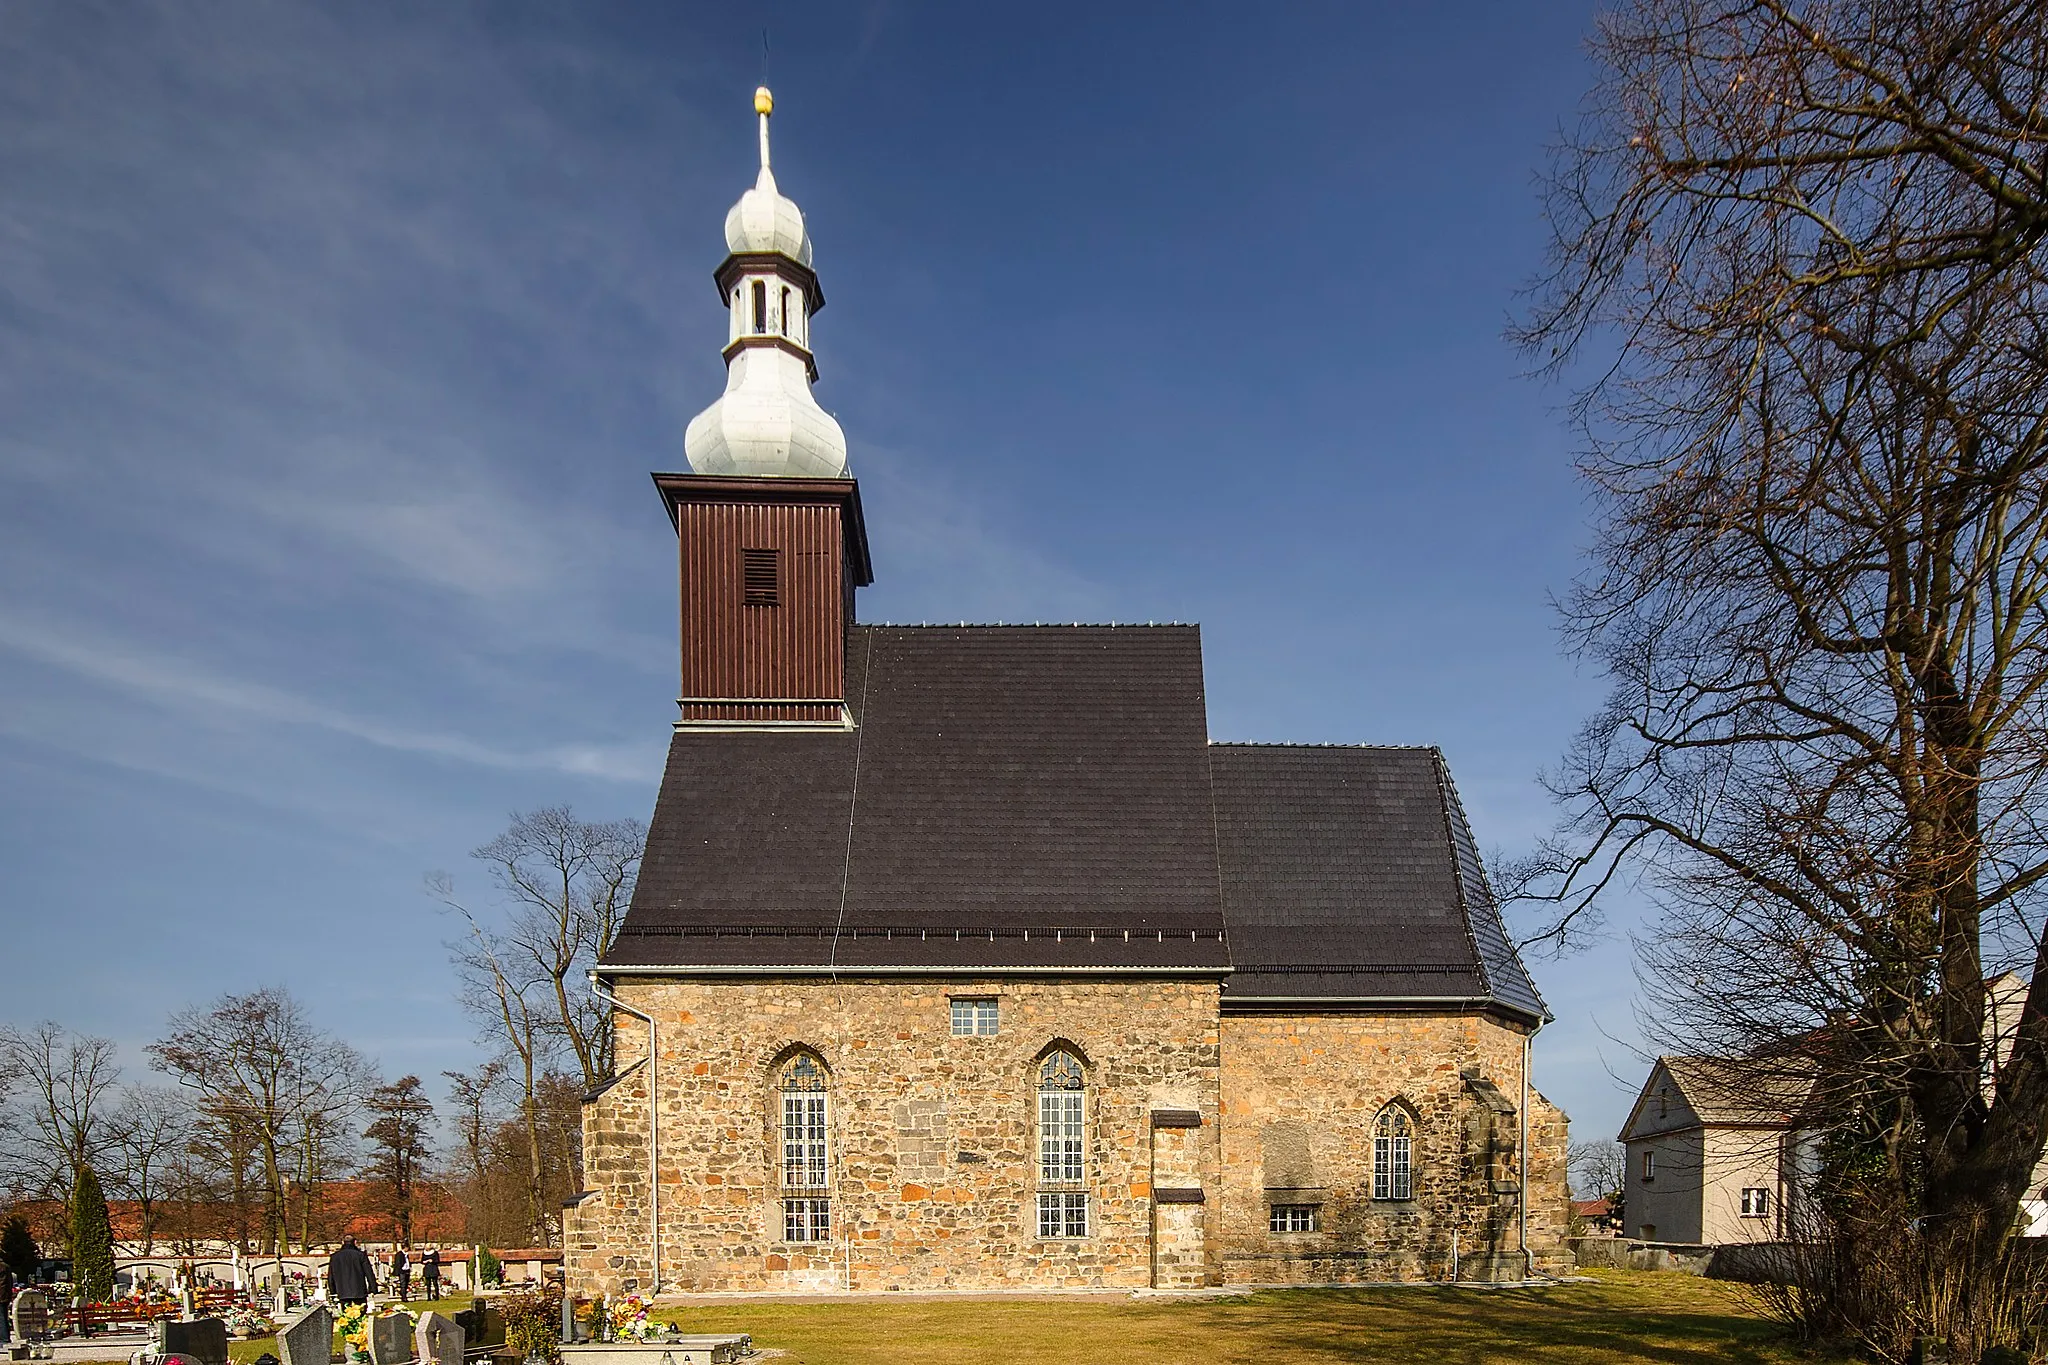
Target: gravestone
[438,1340]
[31,1315]
[204,1339]
[391,1340]
[308,1337]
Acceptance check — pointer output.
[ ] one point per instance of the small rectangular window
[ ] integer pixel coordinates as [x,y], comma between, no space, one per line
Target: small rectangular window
[974,1018]
[761,577]
[1650,1165]
[1293,1218]
[1756,1202]
[1063,1215]
[806,1220]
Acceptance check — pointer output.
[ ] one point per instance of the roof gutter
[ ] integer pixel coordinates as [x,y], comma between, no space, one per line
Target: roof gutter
[1462,1002]
[843,969]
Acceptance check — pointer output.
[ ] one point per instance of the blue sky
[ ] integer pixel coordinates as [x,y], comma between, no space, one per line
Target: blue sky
[336,344]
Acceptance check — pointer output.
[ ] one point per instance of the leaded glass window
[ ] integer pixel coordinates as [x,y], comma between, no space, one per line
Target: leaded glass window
[1393,1144]
[805,1124]
[1063,1214]
[806,1220]
[1060,1105]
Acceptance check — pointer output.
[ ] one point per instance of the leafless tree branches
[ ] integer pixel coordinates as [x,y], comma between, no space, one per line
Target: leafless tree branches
[1813,234]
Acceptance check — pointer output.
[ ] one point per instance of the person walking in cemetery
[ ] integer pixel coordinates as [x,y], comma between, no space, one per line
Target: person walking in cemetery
[401,1271]
[6,1302]
[351,1278]
[430,1272]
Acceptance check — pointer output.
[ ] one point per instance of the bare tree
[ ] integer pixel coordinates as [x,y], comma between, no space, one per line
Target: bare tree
[258,1061]
[70,1082]
[499,991]
[1598,1169]
[1816,232]
[567,883]
[473,1093]
[152,1124]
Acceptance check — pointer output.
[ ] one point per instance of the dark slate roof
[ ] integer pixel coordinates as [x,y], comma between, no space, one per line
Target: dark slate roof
[1352,873]
[1046,798]
[1025,797]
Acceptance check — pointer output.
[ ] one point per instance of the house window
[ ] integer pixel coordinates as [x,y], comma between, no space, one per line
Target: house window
[1650,1164]
[1292,1218]
[806,1220]
[974,1018]
[1756,1202]
[1393,1142]
[1062,1214]
[1062,1097]
[760,577]
[806,1128]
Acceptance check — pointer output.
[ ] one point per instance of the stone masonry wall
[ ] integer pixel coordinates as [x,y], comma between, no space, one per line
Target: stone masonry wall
[933,1150]
[1300,1094]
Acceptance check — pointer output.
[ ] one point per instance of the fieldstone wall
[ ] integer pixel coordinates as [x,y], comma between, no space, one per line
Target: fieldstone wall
[1300,1094]
[933,1152]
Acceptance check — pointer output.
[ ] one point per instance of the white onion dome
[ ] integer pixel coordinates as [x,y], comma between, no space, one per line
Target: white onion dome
[767,424]
[767,220]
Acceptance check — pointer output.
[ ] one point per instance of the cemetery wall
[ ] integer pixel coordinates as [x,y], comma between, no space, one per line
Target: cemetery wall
[1300,1095]
[933,1137]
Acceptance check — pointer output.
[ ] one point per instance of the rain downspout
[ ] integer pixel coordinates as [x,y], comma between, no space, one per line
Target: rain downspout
[1522,1166]
[597,988]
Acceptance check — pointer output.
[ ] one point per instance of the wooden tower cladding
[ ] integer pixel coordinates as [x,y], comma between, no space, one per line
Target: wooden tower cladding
[769,567]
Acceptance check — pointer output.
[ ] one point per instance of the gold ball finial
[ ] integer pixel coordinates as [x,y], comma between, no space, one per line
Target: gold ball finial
[764,103]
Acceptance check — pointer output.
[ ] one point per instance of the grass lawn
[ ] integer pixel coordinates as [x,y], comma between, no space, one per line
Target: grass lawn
[1624,1317]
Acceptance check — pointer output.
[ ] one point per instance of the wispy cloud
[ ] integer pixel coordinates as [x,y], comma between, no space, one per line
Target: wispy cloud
[177,683]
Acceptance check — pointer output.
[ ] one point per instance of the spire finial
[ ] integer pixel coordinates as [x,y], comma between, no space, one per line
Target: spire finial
[764,105]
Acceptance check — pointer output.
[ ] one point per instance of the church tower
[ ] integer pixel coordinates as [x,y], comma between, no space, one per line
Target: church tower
[768,522]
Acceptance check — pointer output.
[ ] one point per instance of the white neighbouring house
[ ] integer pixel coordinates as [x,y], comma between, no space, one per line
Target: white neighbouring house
[1713,1152]
[1717,1150]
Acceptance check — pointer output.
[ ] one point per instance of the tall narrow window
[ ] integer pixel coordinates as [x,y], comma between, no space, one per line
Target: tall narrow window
[806,1205]
[1393,1142]
[760,577]
[1062,1205]
[760,306]
[782,318]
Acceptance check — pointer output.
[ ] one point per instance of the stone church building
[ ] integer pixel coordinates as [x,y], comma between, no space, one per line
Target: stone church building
[961,958]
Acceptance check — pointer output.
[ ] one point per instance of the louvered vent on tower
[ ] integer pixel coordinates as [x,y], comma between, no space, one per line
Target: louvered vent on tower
[759,577]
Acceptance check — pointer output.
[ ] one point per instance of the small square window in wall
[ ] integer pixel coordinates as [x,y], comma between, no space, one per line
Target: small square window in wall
[974,1018]
[1756,1202]
[806,1220]
[1293,1218]
[1063,1214]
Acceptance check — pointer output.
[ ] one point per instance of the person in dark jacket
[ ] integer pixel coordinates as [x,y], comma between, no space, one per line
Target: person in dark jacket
[401,1271]
[350,1276]
[430,1270]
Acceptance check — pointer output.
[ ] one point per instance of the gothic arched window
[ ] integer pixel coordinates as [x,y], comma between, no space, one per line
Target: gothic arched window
[1393,1150]
[806,1130]
[783,318]
[1062,1106]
